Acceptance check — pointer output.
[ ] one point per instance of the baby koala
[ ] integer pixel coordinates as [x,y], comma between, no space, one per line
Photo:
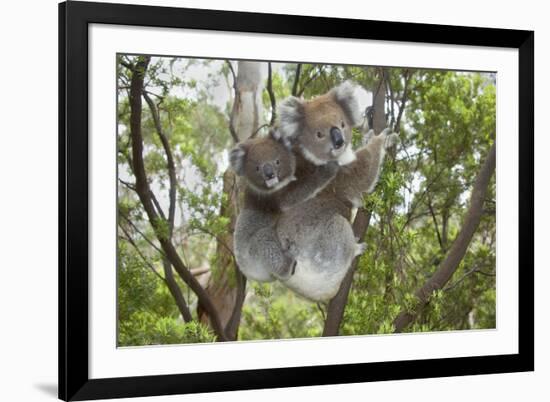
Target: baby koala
[268,167]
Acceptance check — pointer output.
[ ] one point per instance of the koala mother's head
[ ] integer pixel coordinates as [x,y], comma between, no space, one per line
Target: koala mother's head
[321,127]
[266,163]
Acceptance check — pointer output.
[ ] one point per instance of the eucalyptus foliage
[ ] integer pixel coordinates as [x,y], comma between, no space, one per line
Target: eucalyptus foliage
[446,129]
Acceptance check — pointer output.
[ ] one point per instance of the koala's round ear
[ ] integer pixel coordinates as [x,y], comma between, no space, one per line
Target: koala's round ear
[290,117]
[237,159]
[277,136]
[346,95]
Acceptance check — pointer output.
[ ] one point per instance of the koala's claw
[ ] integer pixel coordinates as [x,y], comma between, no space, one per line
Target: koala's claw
[360,248]
[293,268]
[368,136]
[391,140]
[285,273]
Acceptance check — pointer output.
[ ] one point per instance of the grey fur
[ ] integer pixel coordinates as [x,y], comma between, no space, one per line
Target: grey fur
[345,95]
[290,113]
[319,229]
[258,251]
[309,124]
[308,187]
[236,159]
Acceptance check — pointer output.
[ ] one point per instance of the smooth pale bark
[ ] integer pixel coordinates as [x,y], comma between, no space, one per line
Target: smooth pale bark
[227,287]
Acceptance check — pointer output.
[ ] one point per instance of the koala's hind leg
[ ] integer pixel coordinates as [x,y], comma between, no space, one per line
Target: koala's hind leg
[270,253]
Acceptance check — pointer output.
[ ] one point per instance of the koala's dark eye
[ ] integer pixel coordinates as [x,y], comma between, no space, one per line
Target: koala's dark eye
[319,134]
[343,125]
[257,168]
[277,161]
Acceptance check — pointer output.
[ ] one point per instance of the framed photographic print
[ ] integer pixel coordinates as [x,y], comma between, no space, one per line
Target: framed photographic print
[258,200]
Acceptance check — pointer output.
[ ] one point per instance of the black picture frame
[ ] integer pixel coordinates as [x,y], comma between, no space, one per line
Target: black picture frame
[74,381]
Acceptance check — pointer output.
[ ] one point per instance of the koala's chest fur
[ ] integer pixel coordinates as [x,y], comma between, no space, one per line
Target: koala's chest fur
[261,202]
[337,194]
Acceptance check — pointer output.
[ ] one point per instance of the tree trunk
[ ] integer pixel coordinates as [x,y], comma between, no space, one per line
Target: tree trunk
[226,286]
[336,306]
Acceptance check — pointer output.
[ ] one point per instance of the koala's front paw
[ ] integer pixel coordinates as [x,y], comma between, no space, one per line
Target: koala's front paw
[360,248]
[286,271]
[391,140]
[367,137]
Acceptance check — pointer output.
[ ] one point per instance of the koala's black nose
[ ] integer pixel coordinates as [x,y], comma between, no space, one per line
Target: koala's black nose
[268,170]
[336,137]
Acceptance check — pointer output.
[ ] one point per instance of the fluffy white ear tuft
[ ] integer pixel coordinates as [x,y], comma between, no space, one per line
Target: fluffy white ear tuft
[347,95]
[237,158]
[364,98]
[290,116]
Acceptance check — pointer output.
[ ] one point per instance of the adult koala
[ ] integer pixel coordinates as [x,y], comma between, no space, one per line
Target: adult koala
[319,229]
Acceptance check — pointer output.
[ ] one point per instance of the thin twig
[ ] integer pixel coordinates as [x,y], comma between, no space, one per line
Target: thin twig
[224,244]
[316,74]
[434,218]
[128,238]
[232,73]
[404,98]
[271,95]
[296,79]
[141,233]
[232,130]
[474,270]
[127,185]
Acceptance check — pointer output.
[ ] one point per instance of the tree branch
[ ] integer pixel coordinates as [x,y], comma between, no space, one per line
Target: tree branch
[129,239]
[126,64]
[460,245]
[391,95]
[436,225]
[232,327]
[474,270]
[127,185]
[218,239]
[337,304]
[296,79]
[170,165]
[232,130]
[316,74]
[144,192]
[149,241]
[175,291]
[404,99]
[232,73]
[271,95]
[168,280]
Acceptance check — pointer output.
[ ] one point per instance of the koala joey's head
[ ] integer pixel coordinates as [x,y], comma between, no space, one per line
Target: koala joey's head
[266,163]
[321,127]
